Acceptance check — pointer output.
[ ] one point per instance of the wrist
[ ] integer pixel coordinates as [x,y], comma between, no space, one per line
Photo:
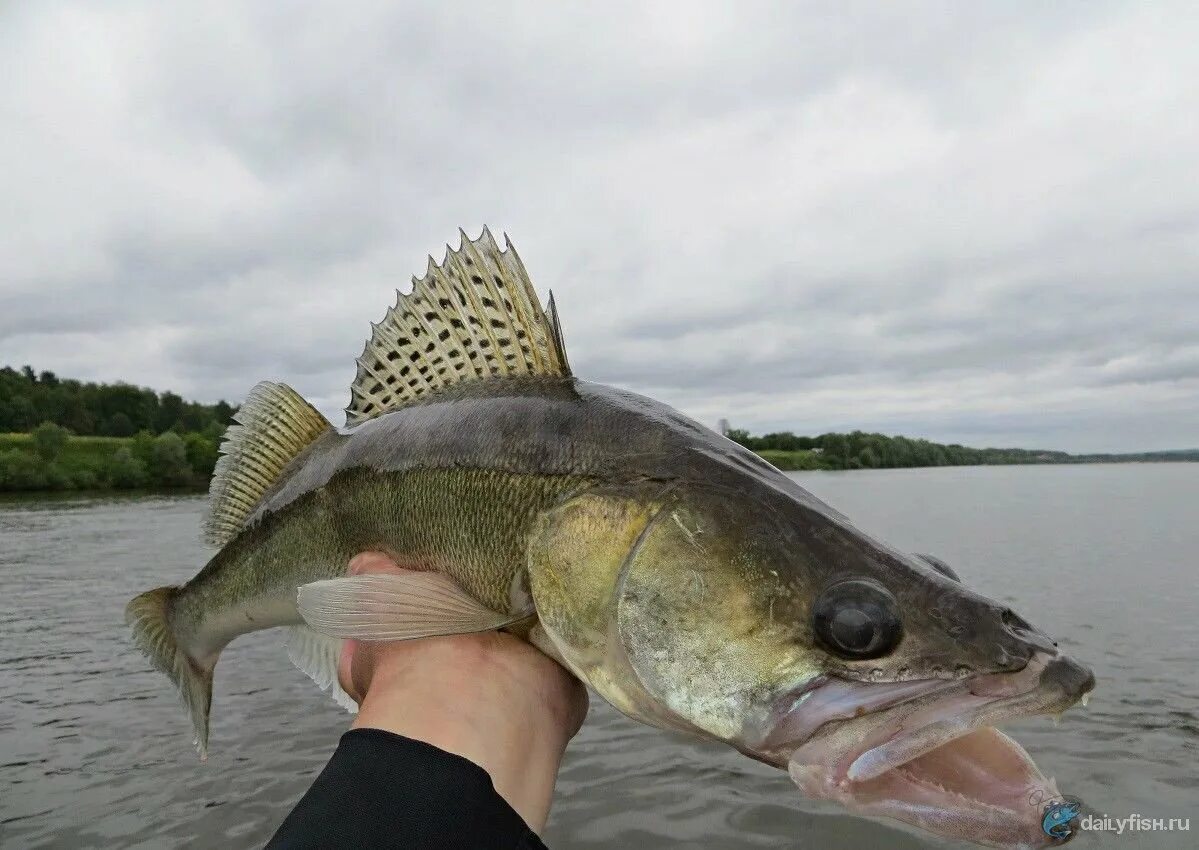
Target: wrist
[476,697]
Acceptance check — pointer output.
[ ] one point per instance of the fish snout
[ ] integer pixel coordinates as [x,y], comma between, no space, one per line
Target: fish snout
[1000,639]
[1068,678]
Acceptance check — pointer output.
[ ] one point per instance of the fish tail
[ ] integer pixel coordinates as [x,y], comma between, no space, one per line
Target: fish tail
[149,615]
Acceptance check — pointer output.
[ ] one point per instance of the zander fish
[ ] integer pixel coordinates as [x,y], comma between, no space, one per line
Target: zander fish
[688,582]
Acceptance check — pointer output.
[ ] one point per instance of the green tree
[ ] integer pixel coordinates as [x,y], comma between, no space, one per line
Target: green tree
[783,441]
[195,417]
[201,454]
[21,470]
[75,416]
[738,435]
[140,405]
[223,413]
[57,478]
[27,398]
[170,411]
[49,440]
[143,448]
[168,464]
[835,445]
[119,425]
[125,471]
[22,414]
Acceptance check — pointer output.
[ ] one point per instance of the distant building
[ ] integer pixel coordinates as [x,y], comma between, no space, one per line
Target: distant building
[722,427]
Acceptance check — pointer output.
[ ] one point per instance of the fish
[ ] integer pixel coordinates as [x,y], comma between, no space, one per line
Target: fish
[685,580]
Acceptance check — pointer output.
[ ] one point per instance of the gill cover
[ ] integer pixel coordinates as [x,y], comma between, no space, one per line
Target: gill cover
[664,611]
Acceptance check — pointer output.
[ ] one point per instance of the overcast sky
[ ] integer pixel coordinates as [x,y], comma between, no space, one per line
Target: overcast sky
[970,222]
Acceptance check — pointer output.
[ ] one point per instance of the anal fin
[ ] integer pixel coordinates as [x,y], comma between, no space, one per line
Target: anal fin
[396,607]
[318,655]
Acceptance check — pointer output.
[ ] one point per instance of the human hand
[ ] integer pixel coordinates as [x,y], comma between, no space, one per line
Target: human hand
[489,697]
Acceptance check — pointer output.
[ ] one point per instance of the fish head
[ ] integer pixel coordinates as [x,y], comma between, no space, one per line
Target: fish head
[874,677]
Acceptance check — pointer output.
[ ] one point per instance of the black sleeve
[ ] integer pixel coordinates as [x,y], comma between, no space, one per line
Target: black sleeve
[382,790]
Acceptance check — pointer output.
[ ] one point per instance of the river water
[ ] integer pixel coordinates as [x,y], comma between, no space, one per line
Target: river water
[95,751]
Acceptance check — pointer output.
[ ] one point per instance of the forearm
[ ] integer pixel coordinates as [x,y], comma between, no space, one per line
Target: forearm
[381,790]
[456,744]
[499,723]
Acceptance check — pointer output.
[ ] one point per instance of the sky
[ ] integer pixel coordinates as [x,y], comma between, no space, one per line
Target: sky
[968,222]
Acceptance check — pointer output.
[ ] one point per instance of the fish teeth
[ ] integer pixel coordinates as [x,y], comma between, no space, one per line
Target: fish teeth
[1085,699]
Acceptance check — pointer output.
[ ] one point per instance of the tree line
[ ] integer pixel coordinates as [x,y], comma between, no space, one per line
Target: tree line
[50,458]
[861,450]
[29,398]
[62,434]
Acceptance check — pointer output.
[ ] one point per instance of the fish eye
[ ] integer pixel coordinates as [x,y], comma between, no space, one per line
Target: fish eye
[940,566]
[857,619]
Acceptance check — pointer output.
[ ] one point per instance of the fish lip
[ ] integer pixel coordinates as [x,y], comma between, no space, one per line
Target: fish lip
[804,714]
[1048,683]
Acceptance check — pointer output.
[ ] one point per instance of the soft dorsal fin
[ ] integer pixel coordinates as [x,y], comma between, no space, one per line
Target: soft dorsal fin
[474,316]
[275,424]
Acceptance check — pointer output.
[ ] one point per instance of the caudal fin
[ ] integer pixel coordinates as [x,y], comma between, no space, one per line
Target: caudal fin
[149,616]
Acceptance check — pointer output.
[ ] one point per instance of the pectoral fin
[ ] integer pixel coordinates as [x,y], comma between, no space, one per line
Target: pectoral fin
[396,607]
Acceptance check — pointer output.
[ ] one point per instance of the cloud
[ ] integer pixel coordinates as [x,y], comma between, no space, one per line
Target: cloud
[974,224]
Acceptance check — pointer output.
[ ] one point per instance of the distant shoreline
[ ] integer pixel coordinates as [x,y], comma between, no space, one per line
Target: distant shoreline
[803,461]
[63,435]
[861,450]
[135,465]
[51,460]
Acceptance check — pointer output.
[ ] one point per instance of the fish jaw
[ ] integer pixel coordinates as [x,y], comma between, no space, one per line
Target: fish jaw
[981,787]
[926,752]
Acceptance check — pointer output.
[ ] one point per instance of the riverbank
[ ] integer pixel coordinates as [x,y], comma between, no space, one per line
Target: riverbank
[811,461]
[181,463]
[860,450]
[55,461]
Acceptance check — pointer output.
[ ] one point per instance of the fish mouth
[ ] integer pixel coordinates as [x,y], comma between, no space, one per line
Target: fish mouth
[926,752]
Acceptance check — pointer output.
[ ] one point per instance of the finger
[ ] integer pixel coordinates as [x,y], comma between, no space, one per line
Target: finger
[356,662]
[345,669]
[371,562]
[360,564]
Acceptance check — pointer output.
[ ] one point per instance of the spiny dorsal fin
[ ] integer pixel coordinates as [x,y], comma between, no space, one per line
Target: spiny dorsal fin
[275,424]
[474,316]
[556,332]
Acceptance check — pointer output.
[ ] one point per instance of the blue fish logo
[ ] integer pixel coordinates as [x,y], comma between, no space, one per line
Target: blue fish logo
[1057,819]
